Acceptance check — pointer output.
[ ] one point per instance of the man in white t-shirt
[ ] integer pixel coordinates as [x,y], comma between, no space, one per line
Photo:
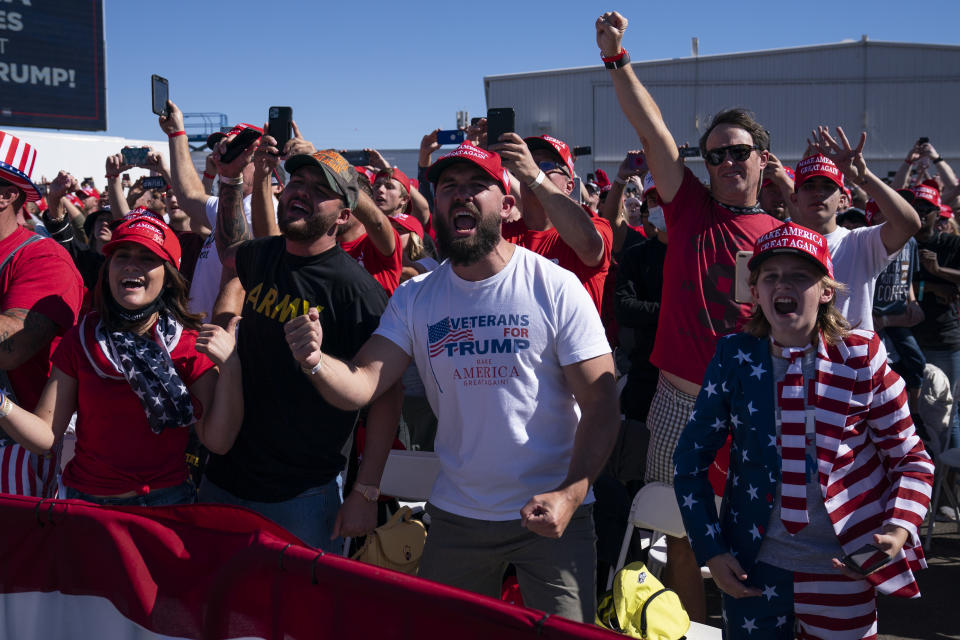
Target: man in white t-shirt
[858,255]
[517,368]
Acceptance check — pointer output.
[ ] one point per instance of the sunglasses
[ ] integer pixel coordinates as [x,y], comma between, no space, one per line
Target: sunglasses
[738,153]
[549,165]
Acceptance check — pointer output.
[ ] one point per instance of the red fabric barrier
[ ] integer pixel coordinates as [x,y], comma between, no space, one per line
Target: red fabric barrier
[212,572]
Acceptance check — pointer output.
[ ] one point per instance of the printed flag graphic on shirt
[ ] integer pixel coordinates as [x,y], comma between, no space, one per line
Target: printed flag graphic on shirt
[440,333]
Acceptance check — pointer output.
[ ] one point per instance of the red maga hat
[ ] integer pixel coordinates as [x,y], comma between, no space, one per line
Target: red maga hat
[142,227]
[406,222]
[924,191]
[397,175]
[792,238]
[818,165]
[555,145]
[466,152]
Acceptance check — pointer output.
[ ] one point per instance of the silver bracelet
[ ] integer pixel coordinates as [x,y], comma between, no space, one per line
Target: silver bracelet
[231,181]
[538,180]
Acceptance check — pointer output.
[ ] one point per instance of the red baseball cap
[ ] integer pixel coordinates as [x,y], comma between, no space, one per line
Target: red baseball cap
[143,227]
[928,193]
[466,152]
[945,211]
[397,175]
[554,145]
[406,222]
[792,238]
[818,165]
[870,210]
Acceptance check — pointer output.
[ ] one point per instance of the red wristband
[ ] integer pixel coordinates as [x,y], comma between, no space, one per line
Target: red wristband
[208,176]
[111,176]
[177,133]
[615,58]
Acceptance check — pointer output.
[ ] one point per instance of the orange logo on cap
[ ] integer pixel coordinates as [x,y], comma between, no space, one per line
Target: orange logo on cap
[332,159]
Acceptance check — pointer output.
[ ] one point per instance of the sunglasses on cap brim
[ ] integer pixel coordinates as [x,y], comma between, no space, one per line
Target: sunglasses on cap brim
[737,152]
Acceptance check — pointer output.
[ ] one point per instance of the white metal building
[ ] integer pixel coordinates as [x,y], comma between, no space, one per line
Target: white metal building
[895,92]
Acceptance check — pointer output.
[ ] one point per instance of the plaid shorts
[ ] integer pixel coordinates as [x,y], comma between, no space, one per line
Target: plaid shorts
[670,410]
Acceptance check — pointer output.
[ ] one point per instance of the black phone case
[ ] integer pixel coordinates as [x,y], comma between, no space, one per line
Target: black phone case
[279,127]
[499,122]
[243,140]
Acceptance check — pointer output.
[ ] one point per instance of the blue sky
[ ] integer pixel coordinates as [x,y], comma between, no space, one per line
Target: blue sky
[382,74]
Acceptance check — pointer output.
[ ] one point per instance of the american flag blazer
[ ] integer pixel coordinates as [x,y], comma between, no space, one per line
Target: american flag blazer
[873,469]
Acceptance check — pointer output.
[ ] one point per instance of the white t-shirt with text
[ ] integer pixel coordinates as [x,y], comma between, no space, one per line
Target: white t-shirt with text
[858,258]
[490,355]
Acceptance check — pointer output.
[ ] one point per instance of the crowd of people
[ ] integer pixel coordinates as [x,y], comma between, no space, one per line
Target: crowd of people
[262,334]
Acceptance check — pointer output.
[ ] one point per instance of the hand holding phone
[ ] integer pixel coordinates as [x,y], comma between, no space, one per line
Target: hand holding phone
[499,121]
[134,156]
[240,143]
[357,157]
[450,136]
[866,559]
[280,125]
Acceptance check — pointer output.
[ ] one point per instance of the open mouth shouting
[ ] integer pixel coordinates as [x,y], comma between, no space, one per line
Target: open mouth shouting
[464,218]
[133,284]
[784,305]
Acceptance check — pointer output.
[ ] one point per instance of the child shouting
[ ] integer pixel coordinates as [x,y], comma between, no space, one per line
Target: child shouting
[828,481]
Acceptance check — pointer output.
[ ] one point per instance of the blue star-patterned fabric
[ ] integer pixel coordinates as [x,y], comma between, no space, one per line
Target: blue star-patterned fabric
[769,616]
[736,399]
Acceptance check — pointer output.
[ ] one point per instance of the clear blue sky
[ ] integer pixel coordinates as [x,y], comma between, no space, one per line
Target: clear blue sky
[381,74]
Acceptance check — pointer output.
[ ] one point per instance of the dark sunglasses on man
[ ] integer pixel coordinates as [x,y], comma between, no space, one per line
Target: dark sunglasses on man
[738,153]
[549,165]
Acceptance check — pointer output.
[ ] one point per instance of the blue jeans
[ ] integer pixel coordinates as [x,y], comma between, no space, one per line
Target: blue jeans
[949,362]
[310,516]
[185,493]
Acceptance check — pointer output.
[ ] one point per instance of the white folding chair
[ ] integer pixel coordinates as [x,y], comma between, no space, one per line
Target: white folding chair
[654,509]
[409,475]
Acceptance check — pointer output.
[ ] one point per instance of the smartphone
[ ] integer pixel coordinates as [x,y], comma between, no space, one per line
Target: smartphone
[474,121]
[450,136]
[638,162]
[499,122]
[154,182]
[239,144]
[741,291]
[582,151]
[577,194]
[160,91]
[689,152]
[923,140]
[358,158]
[279,125]
[866,559]
[134,156]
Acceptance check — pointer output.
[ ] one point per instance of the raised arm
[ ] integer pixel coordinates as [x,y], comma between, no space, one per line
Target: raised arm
[573,224]
[902,220]
[345,385]
[186,184]
[377,225]
[232,227]
[266,159]
[641,110]
[951,189]
[611,209]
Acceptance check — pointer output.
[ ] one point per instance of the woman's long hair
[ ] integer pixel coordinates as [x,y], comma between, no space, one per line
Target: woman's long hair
[174,295]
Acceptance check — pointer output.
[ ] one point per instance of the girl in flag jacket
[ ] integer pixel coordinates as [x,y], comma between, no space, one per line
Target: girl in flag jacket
[821,464]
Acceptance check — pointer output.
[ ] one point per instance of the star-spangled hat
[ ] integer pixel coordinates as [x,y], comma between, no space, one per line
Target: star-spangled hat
[16,164]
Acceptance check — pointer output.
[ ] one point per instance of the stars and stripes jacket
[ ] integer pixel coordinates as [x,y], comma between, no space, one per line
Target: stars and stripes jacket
[873,469]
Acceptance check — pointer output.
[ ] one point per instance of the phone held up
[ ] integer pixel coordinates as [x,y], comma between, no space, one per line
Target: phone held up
[160,93]
[450,136]
[499,121]
[134,156]
[357,157]
[239,144]
[280,125]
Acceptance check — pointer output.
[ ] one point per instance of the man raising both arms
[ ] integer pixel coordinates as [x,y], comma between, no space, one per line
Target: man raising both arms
[508,345]
[706,228]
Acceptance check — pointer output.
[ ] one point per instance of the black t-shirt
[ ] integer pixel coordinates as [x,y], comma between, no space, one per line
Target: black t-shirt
[940,328]
[637,305]
[291,437]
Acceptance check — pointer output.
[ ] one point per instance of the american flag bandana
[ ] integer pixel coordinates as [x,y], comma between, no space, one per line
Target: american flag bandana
[793,442]
[146,364]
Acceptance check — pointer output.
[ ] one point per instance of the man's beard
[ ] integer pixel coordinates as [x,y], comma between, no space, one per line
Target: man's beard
[305,229]
[467,251]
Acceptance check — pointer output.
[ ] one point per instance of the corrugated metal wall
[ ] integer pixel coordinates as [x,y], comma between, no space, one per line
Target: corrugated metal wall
[896,92]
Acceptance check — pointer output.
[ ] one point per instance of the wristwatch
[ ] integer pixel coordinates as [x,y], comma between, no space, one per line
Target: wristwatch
[369,492]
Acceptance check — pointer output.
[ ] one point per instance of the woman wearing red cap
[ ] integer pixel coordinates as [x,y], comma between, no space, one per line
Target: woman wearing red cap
[134,373]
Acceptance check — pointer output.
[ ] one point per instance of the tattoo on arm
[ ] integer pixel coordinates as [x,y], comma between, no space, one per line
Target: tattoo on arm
[232,227]
[22,334]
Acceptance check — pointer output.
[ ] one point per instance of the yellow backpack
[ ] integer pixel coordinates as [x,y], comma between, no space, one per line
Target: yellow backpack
[641,607]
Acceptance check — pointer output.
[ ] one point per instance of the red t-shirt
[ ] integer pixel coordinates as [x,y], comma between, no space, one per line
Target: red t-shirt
[384,269]
[697,307]
[41,277]
[116,450]
[550,245]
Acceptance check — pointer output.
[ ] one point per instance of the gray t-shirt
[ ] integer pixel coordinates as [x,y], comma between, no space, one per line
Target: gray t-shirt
[810,549]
